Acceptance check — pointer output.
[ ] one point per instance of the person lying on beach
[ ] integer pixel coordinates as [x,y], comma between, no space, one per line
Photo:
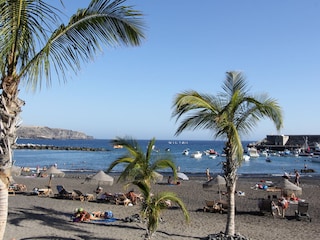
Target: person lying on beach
[106,196]
[81,215]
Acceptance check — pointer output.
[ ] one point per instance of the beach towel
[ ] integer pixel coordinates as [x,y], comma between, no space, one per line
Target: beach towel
[103,221]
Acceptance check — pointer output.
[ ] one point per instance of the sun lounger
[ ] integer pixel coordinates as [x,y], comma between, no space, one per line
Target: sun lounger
[265,206]
[16,188]
[44,192]
[215,206]
[210,204]
[63,193]
[78,195]
[122,199]
[11,191]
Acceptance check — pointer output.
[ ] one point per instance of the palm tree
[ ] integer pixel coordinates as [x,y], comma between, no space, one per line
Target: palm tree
[230,113]
[139,165]
[140,171]
[32,45]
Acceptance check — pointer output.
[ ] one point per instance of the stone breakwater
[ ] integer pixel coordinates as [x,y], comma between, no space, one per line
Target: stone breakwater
[50,147]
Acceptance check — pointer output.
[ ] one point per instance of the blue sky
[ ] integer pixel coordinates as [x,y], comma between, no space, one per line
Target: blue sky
[190,45]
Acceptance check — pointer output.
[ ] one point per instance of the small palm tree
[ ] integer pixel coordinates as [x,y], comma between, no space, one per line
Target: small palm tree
[228,114]
[140,171]
[139,166]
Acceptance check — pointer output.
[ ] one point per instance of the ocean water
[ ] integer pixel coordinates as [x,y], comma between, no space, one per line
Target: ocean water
[68,160]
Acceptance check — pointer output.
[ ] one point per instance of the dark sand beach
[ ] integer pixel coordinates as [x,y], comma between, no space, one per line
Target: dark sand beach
[34,217]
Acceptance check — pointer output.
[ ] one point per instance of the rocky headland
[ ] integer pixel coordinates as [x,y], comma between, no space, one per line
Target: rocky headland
[36,132]
[52,133]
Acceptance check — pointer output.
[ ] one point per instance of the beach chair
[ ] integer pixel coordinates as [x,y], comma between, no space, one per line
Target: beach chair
[215,206]
[63,193]
[265,206]
[78,195]
[11,191]
[222,206]
[302,211]
[210,206]
[107,198]
[122,199]
[44,192]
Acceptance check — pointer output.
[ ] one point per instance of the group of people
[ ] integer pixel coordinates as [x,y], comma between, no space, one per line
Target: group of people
[131,196]
[280,207]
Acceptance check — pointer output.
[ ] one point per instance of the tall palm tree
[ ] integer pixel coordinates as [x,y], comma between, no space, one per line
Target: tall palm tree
[140,170]
[140,166]
[32,45]
[229,114]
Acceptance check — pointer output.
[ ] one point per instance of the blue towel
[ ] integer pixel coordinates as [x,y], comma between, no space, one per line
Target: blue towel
[103,221]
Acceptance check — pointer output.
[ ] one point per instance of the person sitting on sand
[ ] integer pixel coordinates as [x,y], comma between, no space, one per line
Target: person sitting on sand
[98,190]
[171,182]
[293,197]
[274,206]
[133,197]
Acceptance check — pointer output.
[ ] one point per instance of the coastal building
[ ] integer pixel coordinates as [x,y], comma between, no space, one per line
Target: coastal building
[290,142]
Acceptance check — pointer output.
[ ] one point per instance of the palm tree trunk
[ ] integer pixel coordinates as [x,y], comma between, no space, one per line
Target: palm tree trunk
[3,205]
[10,108]
[230,170]
[230,226]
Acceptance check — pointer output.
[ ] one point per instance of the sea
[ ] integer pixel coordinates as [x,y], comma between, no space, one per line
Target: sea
[93,161]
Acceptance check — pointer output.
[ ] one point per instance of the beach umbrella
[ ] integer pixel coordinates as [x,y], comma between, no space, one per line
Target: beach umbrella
[288,188]
[218,182]
[102,178]
[182,176]
[53,171]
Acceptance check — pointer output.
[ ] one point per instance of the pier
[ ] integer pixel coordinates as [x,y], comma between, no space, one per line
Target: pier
[51,147]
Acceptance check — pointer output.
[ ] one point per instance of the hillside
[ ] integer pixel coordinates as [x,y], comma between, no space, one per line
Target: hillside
[35,132]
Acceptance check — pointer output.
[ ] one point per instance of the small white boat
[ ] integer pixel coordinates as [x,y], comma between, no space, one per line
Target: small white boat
[185,152]
[253,152]
[196,154]
[246,157]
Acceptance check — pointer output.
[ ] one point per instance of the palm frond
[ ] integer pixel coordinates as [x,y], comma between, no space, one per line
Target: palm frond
[104,21]
[24,24]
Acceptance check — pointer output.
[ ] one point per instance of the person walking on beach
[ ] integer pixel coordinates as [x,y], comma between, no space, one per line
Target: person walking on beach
[297,178]
[208,174]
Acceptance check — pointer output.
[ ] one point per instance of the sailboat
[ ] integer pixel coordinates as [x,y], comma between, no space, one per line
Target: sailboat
[305,149]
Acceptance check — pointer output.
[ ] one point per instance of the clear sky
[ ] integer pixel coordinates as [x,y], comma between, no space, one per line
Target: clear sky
[190,45]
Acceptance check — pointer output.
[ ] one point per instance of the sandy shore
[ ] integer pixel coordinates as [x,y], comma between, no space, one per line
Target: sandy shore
[34,217]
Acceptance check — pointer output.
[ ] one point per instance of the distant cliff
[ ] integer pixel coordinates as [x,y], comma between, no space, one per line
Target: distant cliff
[34,132]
